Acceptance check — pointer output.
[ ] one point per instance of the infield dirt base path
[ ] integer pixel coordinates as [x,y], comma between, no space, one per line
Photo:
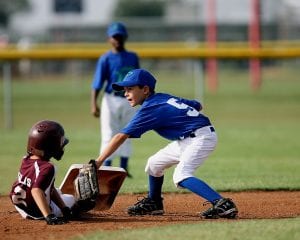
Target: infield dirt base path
[179,208]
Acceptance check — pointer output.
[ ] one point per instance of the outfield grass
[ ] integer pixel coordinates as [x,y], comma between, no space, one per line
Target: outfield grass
[258,131]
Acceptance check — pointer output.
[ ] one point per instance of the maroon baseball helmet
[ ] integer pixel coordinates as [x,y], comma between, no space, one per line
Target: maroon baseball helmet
[47,139]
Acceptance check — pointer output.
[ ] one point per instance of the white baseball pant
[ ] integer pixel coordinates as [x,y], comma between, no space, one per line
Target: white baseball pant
[188,154]
[68,199]
[115,114]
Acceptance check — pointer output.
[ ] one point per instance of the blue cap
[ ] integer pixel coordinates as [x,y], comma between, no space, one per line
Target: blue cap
[117,28]
[136,77]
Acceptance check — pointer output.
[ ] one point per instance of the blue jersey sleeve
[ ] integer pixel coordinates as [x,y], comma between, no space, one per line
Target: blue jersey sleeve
[141,123]
[100,73]
[193,103]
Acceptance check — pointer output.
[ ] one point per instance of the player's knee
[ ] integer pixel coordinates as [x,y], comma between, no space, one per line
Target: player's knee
[68,199]
[179,175]
[152,168]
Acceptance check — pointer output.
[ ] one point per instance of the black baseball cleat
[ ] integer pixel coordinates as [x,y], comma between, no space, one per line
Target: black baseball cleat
[146,206]
[222,208]
[128,174]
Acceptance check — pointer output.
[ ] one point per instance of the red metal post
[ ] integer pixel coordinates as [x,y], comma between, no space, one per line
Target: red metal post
[211,40]
[254,42]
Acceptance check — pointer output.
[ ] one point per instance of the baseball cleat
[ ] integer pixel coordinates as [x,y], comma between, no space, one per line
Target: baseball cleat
[222,208]
[146,206]
[128,174]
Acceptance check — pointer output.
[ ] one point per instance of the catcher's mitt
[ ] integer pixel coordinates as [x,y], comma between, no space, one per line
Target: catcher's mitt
[86,183]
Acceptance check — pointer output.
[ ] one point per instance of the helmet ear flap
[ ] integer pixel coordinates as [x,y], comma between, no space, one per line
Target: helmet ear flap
[60,152]
[46,139]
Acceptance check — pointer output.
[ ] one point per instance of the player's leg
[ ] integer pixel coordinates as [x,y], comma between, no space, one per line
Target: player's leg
[153,203]
[195,152]
[30,213]
[156,165]
[124,152]
[76,207]
[69,201]
[108,123]
[126,113]
[124,164]
[107,162]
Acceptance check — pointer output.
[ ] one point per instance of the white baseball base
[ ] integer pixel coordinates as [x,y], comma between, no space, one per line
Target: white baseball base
[110,180]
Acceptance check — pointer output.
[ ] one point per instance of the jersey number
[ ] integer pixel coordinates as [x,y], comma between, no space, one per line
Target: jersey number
[192,112]
[19,196]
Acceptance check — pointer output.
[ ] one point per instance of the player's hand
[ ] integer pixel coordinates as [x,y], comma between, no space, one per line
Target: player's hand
[51,219]
[96,111]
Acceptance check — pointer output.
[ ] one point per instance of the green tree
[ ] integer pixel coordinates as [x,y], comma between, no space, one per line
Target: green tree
[140,8]
[8,7]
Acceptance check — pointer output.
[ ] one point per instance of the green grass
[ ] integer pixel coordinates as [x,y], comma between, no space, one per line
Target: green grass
[249,229]
[258,147]
[258,132]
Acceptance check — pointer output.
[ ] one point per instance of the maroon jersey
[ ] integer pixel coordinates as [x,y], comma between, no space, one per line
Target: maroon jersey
[33,173]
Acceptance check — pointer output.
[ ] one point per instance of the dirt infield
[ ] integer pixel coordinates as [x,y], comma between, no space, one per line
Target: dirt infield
[179,208]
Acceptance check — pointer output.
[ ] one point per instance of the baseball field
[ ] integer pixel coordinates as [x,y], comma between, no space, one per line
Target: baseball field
[256,162]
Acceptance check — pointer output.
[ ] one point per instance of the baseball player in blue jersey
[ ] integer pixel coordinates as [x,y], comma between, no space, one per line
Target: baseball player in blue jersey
[115,111]
[192,137]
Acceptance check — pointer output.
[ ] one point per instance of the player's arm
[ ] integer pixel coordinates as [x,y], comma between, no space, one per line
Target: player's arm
[112,146]
[100,76]
[56,198]
[95,110]
[40,200]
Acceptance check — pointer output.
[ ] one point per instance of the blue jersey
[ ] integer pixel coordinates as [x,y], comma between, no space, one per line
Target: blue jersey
[112,67]
[171,117]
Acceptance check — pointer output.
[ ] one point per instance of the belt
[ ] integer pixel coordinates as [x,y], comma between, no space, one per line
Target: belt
[193,134]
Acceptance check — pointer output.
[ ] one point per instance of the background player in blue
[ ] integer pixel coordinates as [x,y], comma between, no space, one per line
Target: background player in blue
[192,137]
[115,111]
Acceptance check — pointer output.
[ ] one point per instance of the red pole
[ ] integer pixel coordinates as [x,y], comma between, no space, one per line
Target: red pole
[211,40]
[254,42]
